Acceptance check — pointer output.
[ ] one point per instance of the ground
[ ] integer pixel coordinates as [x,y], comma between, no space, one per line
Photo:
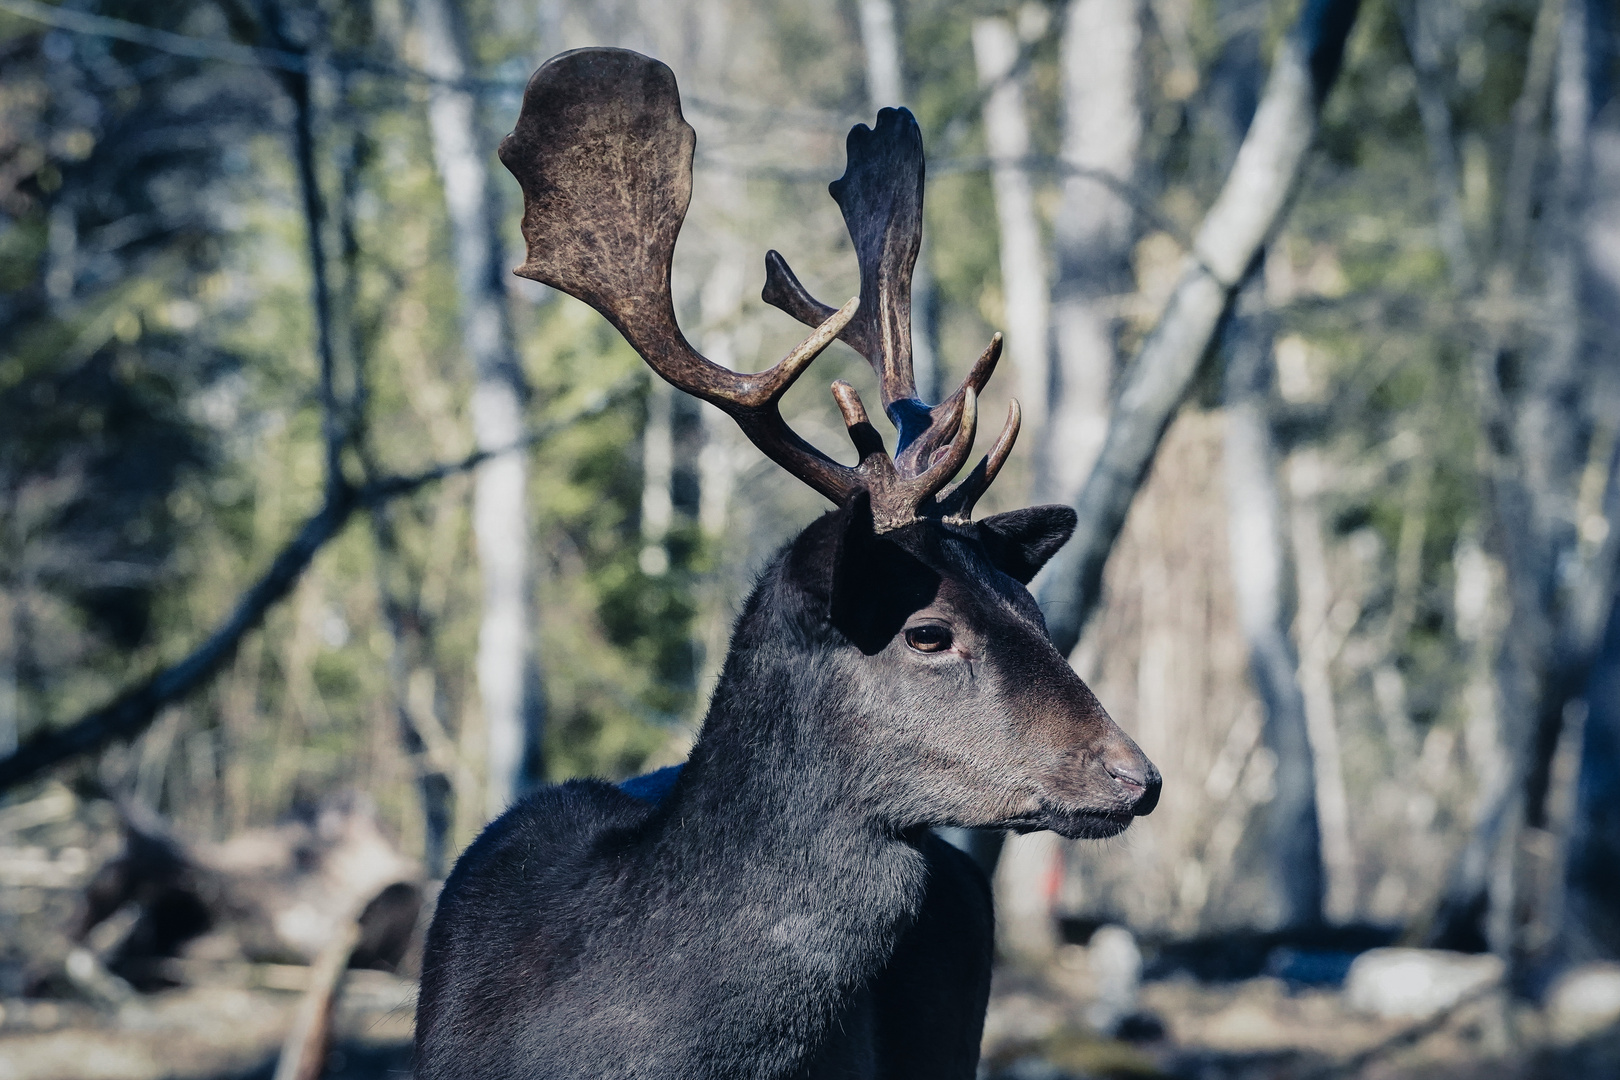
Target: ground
[1193,1019]
[1255,1029]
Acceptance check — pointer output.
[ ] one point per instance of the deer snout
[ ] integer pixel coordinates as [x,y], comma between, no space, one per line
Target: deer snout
[1136,777]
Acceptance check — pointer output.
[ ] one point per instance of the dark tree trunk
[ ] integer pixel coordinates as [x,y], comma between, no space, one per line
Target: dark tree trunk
[1552,489]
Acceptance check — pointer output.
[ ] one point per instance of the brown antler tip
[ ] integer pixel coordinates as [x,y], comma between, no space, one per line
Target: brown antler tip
[774,383]
[849,403]
[604,158]
[958,500]
[868,443]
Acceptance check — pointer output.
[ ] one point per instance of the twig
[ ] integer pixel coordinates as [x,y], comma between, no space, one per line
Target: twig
[292,61]
[297,85]
[1408,1036]
[128,714]
[79,22]
[303,1054]
[1528,109]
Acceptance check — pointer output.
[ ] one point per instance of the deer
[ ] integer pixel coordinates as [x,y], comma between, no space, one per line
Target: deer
[780,906]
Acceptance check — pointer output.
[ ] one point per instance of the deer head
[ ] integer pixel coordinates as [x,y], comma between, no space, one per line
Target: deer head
[927,605]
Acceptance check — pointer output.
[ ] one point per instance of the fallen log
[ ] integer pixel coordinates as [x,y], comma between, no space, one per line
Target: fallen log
[273,896]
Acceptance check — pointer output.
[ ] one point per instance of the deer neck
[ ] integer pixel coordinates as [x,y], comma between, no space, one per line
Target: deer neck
[770,802]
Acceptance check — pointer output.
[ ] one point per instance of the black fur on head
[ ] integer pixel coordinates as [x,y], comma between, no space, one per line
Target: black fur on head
[929,659]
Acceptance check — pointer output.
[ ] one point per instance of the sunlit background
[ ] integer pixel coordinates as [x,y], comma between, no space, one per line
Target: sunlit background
[403,535]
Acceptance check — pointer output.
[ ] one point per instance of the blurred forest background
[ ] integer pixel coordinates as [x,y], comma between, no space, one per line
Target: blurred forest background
[278,425]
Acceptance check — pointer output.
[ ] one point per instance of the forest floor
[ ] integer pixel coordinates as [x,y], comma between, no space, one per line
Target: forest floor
[1268,1029]
[1257,1029]
[228,1020]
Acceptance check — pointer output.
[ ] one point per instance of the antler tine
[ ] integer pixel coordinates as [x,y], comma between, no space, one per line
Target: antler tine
[899,499]
[958,500]
[604,158]
[753,401]
[944,417]
[880,194]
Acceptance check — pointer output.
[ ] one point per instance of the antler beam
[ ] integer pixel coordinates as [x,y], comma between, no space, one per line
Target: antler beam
[881,196]
[604,158]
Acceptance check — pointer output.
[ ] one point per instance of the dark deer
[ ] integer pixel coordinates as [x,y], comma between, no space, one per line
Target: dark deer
[779,906]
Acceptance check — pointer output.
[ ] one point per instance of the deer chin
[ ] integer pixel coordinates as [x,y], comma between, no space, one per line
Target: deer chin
[1077,824]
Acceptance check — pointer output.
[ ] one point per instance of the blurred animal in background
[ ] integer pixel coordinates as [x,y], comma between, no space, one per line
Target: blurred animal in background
[778,906]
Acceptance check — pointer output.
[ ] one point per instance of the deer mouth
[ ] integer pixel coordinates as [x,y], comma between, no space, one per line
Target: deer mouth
[1075,824]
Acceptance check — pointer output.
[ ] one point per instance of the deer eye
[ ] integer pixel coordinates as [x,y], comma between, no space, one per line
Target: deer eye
[928,638]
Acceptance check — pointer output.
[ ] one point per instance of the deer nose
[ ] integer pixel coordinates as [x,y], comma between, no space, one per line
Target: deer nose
[1137,775]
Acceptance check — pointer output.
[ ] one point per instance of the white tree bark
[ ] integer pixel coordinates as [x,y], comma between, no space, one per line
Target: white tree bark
[1026,882]
[1319,643]
[1028,864]
[657,473]
[720,305]
[1247,211]
[10,699]
[1262,587]
[508,673]
[1023,265]
[882,43]
[1102,133]
[885,88]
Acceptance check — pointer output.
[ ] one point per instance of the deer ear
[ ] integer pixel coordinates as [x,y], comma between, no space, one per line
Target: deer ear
[1020,542]
[876,584]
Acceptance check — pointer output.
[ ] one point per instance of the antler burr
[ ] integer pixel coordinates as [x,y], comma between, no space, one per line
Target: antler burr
[604,158]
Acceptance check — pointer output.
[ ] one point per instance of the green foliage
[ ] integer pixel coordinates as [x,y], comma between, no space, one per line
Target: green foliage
[161,428]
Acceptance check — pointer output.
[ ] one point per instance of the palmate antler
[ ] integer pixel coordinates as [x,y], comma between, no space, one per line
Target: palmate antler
[604,158]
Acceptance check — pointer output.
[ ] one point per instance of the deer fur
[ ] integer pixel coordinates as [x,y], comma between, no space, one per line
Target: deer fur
[784,910]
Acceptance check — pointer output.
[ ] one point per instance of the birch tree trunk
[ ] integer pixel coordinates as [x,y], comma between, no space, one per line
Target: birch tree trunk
[508,672]
[1245,214]
[657,473]
[720,305]
[1572,415]
[1030,865]
[1260,582]
[1590,923]
[1102,133]
[11,626]
[1320,639]
[1023,266]
[886,88]
[881,40]
[1476,882]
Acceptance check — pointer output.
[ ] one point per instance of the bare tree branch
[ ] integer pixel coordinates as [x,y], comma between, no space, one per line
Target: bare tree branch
[81,22]
[303,1054]
[1434,110]
[1245,215]
[132,711]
